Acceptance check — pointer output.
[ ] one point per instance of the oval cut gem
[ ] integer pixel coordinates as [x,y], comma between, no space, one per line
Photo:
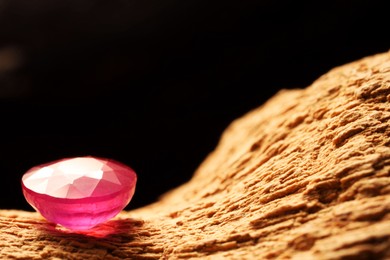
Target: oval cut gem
[79,193]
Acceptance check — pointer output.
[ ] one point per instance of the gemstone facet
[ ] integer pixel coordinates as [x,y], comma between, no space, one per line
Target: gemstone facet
[79,193]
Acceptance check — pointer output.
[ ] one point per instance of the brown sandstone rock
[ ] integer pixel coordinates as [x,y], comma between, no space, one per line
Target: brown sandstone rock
[305,176]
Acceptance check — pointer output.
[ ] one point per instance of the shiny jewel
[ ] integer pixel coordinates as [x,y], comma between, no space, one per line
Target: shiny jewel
[79,193]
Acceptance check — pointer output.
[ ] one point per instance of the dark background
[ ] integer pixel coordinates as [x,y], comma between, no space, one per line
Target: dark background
[154,83]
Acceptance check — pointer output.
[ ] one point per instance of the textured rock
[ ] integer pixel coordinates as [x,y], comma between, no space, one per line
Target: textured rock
[305,176]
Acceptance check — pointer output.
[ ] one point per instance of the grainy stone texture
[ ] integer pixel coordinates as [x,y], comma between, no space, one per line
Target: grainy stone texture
[305,176]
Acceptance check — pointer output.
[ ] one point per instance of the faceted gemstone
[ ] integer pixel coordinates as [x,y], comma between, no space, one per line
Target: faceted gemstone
[79,193]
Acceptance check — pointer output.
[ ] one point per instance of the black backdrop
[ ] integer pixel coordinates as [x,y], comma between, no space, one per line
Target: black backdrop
[154,83]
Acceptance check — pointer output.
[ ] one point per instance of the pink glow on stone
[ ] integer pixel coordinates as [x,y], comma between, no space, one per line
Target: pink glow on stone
[79,193]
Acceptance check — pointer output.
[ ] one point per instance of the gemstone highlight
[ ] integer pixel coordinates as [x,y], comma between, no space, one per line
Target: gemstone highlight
[79,193]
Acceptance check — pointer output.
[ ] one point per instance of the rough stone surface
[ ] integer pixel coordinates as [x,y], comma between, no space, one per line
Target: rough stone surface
[305,176]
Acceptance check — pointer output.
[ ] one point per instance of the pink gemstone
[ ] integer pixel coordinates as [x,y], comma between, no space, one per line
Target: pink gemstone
[79,193]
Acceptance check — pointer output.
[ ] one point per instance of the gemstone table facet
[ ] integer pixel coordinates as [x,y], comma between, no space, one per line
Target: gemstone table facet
[79,193]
